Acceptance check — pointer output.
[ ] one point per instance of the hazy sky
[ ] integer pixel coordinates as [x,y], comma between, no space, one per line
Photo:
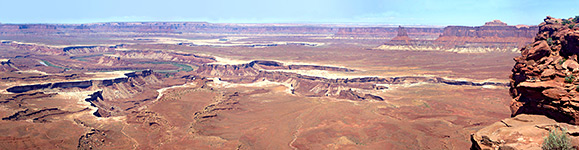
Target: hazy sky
[404,12]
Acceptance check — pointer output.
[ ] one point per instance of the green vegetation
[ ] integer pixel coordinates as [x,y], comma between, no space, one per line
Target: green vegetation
[550,41]
[576,19]
[426,105]
[569,79]
[562,61]
[557,140]
[571,26]
[565,21]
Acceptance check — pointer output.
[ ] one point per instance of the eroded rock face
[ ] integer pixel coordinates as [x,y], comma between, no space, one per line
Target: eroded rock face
[544,79]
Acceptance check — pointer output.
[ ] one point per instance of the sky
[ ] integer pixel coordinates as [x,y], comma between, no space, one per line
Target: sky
[386,12]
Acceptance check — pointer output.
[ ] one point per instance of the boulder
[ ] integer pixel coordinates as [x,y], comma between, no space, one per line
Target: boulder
[571,65]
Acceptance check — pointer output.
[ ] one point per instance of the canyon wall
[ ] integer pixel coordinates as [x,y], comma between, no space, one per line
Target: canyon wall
[355,89]
[204,27]
[494,36]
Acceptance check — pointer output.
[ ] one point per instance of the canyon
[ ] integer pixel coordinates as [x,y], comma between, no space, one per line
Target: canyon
[199,85]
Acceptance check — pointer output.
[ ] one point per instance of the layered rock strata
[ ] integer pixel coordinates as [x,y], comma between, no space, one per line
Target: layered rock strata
[356,89]
[494,36]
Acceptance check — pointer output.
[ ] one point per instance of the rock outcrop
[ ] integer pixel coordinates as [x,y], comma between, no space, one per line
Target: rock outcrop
[495,23]
[544,76]
[524,132]
[544,84]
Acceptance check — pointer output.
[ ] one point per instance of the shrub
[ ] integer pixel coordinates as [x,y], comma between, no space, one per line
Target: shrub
[550,41]
[576,19]
[571,26]
[565,21]
[562,61]
[569,79]
[557,140]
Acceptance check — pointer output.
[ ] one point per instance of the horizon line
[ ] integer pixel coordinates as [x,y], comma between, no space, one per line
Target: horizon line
[375,24]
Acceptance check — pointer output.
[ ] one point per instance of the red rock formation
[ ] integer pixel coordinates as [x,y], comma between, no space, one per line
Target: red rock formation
[495,23]
[402,35]
[544,79]
[493,35]
[543,84]
[488,34]
[387,32]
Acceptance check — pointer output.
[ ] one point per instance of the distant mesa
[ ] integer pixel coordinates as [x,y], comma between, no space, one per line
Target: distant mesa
[494,36]
[495,23]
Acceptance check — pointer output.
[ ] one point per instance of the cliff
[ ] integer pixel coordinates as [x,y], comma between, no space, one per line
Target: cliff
[388,32]
[544,82]
[493,36]
[204,27]
[544,76]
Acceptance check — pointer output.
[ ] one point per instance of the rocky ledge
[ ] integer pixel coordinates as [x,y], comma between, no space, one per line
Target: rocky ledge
[525,132]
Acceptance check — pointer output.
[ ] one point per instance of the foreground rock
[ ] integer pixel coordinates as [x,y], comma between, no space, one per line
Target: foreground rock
[521,132]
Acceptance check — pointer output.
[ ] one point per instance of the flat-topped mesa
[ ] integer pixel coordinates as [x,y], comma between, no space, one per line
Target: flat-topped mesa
[544,79]
[492,33]
[495,23]
[493,36]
